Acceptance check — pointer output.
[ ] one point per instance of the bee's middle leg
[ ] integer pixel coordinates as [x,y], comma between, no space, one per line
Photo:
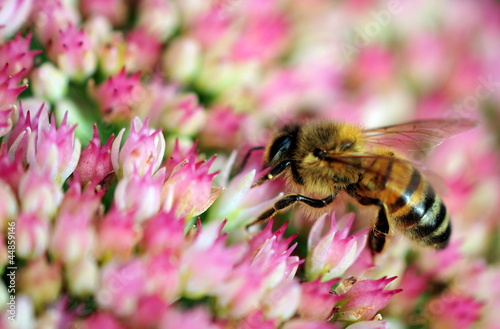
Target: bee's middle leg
[288,201]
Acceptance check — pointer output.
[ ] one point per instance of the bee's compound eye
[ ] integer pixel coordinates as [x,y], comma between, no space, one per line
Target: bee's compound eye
[280,146]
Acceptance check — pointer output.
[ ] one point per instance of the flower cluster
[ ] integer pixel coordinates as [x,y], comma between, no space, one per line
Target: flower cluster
[123,203]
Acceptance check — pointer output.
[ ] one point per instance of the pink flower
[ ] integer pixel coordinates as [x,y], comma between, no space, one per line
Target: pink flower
[189,189]
[72,239]
[414,284]
[185,116]
[95,161]
[194,318]
[54,150]
[149,312]
[117,235]
[207,263]
[13,14]
[8,202]
[113,54]
[73,52]
[143,150]
[143,50]
[163,233]
[115,11]
[119,96]
[40,194]
[256,320]
[32,236]
[41,281]
[147,186]
[49,83]
[317,301]
[224,128]
[121,286]
[365,298]
[211,28]
[451,311]
[374,63]
[283,301]
[267,265]
[82,276]
[369,325]
[18,55]
[101,320]
[27,122]
[182,59]
[331,255]
[9,87]
[50,16]
[11,171]
[85,202]
[5,121]
[263,38]
[164,277]
[73,235]
[426,55]
[160,18]
[308,324]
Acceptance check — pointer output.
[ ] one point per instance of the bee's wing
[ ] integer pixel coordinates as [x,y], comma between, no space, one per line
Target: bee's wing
[419,135]
[375,164]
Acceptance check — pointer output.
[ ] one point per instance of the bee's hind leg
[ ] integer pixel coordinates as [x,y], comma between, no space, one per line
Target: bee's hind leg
[288,201]
[379,232]
[380,229]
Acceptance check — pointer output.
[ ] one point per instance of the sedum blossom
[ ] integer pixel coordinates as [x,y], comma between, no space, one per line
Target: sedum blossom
[41,195]
[55,150]
[188,190]
[361,299]
[17,54]
[114,11]
[116,236]
[73,52]
[118,96]
[147,186]
[41,281]
[8,204]
[331,255]
[94,164]
[49,82]
[32,236]
[82,277]
[9,87]
[143,150]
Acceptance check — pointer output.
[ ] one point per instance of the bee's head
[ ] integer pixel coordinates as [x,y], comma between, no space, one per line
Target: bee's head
[282,146]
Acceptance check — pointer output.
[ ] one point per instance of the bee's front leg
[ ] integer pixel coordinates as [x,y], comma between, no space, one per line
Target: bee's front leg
[288,201]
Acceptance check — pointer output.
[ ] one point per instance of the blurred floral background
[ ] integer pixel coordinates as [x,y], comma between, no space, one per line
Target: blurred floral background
[123,124]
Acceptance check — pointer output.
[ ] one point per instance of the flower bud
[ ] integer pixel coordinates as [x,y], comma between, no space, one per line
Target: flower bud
[41,281]
[143,150]
[40,194]
[48,82]
[32,236]
[182,60]
[82,277]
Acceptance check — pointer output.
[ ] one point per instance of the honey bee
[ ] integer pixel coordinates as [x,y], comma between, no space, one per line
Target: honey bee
[320,159]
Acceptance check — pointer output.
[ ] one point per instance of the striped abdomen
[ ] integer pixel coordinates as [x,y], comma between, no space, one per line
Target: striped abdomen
[415,209]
